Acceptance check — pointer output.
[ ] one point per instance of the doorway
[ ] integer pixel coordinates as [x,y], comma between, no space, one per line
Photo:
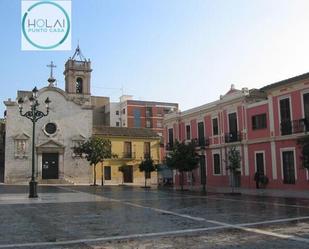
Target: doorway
[128,174]
[50,166]
[288,167]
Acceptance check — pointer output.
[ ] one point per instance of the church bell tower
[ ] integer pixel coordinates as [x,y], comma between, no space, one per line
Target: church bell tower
[77,74]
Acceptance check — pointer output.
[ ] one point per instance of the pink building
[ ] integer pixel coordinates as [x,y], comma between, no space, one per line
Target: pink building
[263,125]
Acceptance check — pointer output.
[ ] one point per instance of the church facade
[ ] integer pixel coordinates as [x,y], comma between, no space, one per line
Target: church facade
[68,123]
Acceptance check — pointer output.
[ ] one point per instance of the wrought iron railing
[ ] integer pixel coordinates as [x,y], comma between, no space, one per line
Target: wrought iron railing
[128,155]
[294,126]
[231,137]
[201,141]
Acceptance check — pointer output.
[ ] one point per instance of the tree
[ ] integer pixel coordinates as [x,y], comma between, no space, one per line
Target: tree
[96,150]
[122,169]
[304,144]
[147,166]
[183,158]
[234,160]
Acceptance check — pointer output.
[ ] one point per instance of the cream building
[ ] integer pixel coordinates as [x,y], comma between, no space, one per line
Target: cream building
[131,146]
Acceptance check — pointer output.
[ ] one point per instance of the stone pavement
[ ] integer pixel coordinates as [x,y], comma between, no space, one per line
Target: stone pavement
[263,192]
[132,217]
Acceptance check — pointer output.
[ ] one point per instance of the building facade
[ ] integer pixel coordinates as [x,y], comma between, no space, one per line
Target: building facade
[131,146]
[69,122]
[263,125]
[2,148]
[139,114]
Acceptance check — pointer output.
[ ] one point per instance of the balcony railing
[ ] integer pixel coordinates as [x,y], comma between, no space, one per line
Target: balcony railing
[201,142]
[128,155]
[294,126]
[231,137]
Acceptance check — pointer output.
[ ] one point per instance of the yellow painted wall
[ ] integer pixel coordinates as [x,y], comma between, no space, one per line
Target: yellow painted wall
[138,156]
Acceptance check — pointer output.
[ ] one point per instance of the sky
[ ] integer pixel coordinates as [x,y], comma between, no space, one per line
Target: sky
[183,51]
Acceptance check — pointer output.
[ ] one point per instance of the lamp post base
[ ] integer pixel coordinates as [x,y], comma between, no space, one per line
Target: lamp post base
[33,189]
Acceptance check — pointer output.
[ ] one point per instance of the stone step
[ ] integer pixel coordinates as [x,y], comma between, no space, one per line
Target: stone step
[54,181]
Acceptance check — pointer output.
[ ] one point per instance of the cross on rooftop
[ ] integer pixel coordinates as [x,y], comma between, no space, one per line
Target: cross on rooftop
[51,65]
[51,78]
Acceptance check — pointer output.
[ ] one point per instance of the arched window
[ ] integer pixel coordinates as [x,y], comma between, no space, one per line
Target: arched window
[79,85]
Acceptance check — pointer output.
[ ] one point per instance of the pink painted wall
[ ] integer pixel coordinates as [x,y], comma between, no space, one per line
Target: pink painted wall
[260,133]
[193,128]
[252,148]
[207,126]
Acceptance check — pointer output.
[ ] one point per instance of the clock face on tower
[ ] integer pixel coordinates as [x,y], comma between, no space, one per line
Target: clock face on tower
[50,129]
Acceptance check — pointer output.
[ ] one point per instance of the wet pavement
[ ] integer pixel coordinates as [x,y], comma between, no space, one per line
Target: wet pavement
[132,217]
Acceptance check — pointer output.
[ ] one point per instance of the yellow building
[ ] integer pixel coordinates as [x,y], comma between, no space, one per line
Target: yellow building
[131,145]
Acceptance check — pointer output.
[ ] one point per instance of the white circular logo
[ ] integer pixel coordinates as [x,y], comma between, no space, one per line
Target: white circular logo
[46,25]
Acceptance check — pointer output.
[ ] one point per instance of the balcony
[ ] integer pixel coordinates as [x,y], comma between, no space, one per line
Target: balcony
[201,142]
[232,137]
[128,155]
[295,126]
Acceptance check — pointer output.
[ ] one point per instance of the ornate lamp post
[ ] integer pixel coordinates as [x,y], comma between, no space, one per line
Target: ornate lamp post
[34,115]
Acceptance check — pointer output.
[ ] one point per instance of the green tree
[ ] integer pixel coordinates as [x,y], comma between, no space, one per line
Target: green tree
[234,160]
[95,150]
[122,169]
[304,144]
[147,166]
[183,158]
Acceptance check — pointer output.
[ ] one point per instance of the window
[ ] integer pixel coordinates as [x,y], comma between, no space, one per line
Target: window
[79,85]
[259,121]
[201,135]
[123,111]
[306,105]
[159,124]
[170,136]
[147,150]
[217,168]
[285,114]
[107,173]
[188,132]
[215,127]
[117,124]
[159,112]
[233,122]
[288,167]
[117,112]
[50,129]
[259,159]
[148,123]
[127,150]
[137,117]
[148,112]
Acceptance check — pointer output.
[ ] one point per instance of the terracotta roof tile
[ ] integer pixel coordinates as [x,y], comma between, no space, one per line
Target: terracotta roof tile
[125,132]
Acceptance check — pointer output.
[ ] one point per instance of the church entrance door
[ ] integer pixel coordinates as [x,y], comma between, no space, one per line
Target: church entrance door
[50,166]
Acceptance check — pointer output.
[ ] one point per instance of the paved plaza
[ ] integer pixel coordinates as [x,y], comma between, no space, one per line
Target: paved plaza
[133,217]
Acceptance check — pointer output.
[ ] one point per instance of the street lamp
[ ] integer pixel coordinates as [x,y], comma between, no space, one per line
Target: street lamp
[34,115]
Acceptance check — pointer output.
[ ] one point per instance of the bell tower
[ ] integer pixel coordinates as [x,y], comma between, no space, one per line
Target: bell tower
[77,74]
